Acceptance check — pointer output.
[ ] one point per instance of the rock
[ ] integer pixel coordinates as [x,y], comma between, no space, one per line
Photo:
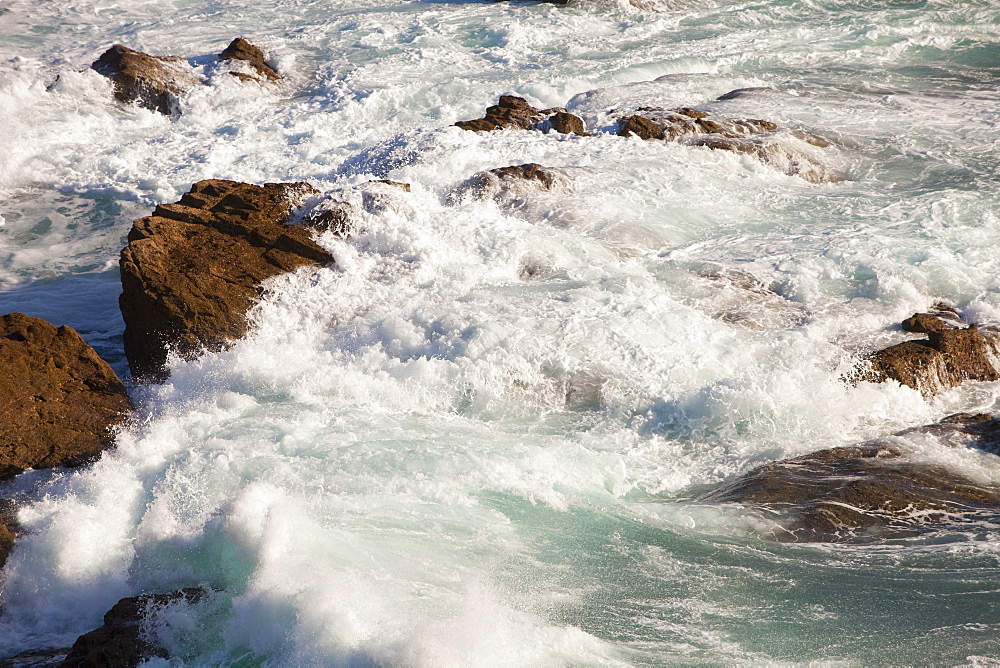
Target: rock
[739,298]
[747,136]
[568,124]
[753,91]
[939,318]
[151,82]
[515,112]
[120,642]
[507,184]
[9,529]
[641,127]
[341,211]
[193,269]
[241,49]
[951,355]
[962,430]
[865,491]
[59,401]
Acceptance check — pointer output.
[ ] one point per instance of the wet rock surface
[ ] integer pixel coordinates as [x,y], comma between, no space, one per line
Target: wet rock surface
[241,49]
[121,641]
[868,491]
[759,138]
[193,269]
[59,401]
[9,529]
[953,352]
[515,113]
[152,82]
[506,184]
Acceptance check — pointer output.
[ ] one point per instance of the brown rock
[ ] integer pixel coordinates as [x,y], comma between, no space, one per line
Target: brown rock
[948,358]
[641,127]
[9,529]
[241,49]
[859,491]
[505,184]
[509,112]
[150,81]
[747,136]
[191,271]
[568,124]
[939,318]
[120,642]
[59,401]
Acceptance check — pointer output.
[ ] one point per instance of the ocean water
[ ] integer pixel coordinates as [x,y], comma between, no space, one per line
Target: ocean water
[474,440]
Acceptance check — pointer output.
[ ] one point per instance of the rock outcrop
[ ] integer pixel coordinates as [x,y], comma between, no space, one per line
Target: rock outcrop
[952,353]
[152,82]
[242,50]
[515,113]
[867,491]
[121,642]
[507,184]
[193,269]
[157,82]
[59,402]
[749,136]
[739,298]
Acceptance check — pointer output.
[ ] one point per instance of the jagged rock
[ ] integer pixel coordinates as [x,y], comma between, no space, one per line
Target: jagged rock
[193,269]
[939,318]
[340,211]
[120,642]
[515,112]
[59,401]
[869,490]
[748,136]
[951,354]
[150,81]
[241,49]
[506,184]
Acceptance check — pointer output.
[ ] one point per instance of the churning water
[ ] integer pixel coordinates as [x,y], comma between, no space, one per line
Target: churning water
[470,441]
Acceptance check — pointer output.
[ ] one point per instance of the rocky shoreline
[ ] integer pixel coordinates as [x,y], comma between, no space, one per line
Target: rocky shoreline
[193,269]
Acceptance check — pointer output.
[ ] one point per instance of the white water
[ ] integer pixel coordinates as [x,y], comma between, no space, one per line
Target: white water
[461,445]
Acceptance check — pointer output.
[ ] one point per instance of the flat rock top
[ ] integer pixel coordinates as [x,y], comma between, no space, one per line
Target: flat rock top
[59,401]
[193,269]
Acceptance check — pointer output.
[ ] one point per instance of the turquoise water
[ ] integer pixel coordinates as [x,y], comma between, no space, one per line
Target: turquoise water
[473,440]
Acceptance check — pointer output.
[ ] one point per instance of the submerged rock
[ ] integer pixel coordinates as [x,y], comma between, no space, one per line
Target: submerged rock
[870,490]
[341,211]
[59,401]
[121,642]
[515,113]
[748,136]
[507,184]
[193,269]
[739,298]
[241,49]
[152,82]
[953,353]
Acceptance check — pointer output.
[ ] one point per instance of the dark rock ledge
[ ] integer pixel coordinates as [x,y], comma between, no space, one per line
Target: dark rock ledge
[121,641]
[869,491]
[157,82]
